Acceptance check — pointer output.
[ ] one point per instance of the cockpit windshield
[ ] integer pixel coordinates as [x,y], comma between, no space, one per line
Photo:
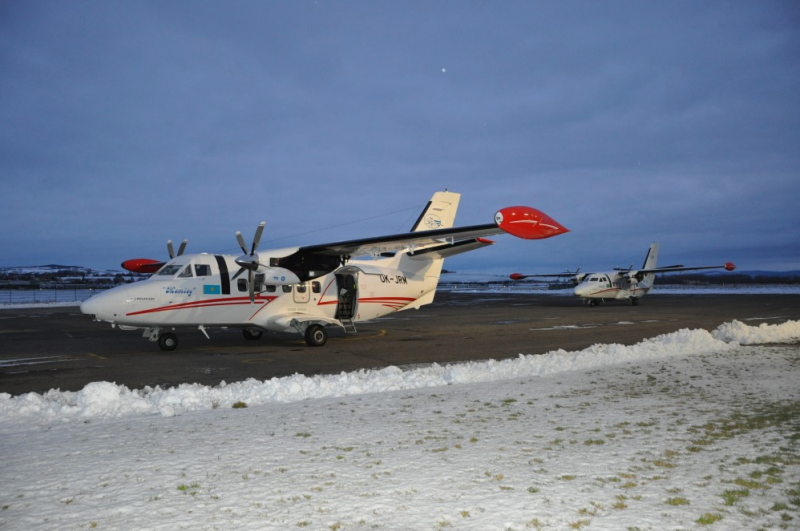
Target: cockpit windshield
[169,270]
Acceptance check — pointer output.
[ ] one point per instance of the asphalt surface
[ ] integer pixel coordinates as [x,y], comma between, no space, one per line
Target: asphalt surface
[59,348]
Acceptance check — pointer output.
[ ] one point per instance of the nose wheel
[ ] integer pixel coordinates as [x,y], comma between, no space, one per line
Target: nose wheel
[168,341]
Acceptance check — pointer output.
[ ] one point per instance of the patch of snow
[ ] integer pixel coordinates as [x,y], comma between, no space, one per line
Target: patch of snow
[656,435]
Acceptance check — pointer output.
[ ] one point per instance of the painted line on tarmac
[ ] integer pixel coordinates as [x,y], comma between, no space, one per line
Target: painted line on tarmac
[34,361]
[364,336]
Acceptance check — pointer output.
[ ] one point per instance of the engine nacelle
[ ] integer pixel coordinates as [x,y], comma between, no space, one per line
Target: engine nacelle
[278,275]
[635,276]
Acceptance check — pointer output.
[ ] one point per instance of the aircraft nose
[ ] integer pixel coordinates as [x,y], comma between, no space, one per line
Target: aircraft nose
[100,305]
[93,305]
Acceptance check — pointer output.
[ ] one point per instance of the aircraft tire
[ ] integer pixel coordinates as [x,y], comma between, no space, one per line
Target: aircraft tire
[316,336]
[168,341]
[252,335]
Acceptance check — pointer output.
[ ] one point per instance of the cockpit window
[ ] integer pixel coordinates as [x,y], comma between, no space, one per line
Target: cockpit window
[186,273]
[169,270]
[202,270]
[593,279]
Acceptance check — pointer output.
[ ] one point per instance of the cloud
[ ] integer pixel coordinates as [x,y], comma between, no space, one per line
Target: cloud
[125,125]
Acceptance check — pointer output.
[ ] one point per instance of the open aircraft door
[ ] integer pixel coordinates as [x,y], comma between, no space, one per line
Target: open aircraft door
[347,289]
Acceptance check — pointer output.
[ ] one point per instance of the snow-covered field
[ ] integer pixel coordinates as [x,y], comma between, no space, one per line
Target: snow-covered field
[684,431]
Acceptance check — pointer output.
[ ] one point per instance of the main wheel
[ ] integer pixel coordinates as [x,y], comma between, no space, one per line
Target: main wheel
[252,335]
[634,301]
[168,341]
[316,336]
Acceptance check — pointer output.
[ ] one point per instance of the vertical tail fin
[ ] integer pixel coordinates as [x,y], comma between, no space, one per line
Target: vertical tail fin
[649,263]
[652,257]
[440,213]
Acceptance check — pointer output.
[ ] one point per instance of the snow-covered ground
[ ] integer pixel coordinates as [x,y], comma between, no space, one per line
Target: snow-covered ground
[676,432]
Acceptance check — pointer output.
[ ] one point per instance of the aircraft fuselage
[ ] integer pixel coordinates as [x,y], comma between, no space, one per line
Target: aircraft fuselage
[195,291]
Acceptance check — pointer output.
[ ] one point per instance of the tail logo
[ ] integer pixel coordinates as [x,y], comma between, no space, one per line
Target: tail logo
[433,221]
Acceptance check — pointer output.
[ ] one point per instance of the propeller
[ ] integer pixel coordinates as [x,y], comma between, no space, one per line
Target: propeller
[180,249]
[249,261]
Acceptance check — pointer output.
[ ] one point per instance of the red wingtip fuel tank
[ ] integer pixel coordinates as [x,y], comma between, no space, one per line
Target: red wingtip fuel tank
[528,223]
[729,266]
[516,276]
[142,265]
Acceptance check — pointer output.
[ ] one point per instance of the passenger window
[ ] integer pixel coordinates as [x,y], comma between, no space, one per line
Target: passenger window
[186,273]
[242,284]
[316,287]
[287,289]
[202,270]
[259,282]
[270,288]
[301,288]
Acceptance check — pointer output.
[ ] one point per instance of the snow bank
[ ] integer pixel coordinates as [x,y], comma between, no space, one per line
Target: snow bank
[108,400]
[738,332]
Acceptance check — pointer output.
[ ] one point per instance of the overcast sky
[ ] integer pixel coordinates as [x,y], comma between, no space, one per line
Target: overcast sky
[124,124]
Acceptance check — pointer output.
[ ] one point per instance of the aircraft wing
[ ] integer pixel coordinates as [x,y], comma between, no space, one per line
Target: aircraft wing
[524,222]
[728,266]
[520,276]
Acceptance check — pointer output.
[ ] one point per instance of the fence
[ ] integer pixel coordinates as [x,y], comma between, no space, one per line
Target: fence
[46,295]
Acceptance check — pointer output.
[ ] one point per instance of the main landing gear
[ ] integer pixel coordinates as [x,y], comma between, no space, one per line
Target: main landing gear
[316,336]
[252,335]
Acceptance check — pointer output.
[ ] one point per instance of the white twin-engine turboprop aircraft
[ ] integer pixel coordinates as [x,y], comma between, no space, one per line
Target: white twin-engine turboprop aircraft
[304,289]
[621,284]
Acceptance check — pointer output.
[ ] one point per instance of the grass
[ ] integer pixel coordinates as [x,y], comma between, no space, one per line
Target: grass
[190,489]
[677,501]
[709,518]
[732,496]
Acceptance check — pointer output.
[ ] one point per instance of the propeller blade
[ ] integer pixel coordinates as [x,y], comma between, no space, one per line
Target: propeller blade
[251,286]
[240,239]
[182,247]
[170,249]
[241,270]
[257,237]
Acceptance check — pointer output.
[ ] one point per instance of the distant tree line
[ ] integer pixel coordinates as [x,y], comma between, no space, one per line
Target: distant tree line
[14,279]
[729,278]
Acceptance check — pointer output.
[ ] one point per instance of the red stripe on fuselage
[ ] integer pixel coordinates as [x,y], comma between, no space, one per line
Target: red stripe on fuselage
[233,301]
[390,302]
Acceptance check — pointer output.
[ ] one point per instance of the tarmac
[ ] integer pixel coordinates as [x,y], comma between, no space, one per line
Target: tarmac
[60,348]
